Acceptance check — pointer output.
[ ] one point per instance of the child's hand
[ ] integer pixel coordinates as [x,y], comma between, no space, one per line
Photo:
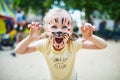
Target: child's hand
[35,29]
[87,30]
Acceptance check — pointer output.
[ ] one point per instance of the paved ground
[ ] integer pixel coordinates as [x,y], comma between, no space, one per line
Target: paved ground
[90,64]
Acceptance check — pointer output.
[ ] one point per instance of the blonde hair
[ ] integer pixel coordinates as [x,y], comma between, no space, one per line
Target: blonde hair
[52,12]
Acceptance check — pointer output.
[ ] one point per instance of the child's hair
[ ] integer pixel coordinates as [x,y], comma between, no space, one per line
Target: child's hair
[51,13]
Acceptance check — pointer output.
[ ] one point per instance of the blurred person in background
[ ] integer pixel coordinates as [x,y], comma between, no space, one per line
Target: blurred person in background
[1,47]
[116,30]
[90,20]
[20,24]
[102,28]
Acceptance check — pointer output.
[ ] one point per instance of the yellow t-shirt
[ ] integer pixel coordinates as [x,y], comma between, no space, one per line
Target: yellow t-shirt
[60,63]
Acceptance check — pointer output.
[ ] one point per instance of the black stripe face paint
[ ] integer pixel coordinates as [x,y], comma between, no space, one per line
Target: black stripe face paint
[55,20]
[62,20]
[68,22]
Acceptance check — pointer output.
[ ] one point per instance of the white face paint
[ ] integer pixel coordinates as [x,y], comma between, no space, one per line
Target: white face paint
[60,29]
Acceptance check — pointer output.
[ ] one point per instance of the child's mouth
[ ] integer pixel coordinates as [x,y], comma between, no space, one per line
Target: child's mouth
[59,40]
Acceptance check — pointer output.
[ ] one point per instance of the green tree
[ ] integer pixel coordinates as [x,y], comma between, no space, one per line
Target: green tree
[35,5]
[89,5]
[109,6]
[112,7]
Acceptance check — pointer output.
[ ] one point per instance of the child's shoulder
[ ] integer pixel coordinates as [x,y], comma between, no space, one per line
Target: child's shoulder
[45,40]
[75,42]
[41,42]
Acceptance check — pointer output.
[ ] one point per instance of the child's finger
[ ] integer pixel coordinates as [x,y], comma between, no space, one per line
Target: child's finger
[93,28]
[29,25]
[38,28]
[33,23]
[82,28]
[37,24]
[87,26]
[65,34]
[66,37]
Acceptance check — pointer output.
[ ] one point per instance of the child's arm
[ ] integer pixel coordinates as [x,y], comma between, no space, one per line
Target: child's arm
[91,41]
[23,46]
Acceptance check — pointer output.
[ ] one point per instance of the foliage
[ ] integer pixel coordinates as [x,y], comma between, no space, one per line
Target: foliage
[35,5]
[112,7]
[109,6]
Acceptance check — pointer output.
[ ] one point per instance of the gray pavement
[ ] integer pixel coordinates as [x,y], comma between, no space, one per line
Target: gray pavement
[90,64]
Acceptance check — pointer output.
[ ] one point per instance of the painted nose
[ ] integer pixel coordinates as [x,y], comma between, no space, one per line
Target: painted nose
[59,32]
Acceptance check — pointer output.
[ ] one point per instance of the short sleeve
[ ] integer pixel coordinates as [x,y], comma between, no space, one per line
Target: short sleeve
[77,44]
[40,45]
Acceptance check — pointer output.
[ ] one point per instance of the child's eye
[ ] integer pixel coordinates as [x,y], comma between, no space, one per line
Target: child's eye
[54,27]
[64,27]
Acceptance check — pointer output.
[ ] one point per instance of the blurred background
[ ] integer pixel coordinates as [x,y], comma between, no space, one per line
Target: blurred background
[15,15]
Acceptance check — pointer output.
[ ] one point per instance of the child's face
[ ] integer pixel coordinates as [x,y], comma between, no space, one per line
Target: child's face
[60,29]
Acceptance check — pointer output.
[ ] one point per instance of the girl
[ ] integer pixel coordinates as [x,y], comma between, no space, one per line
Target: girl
[61,44]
